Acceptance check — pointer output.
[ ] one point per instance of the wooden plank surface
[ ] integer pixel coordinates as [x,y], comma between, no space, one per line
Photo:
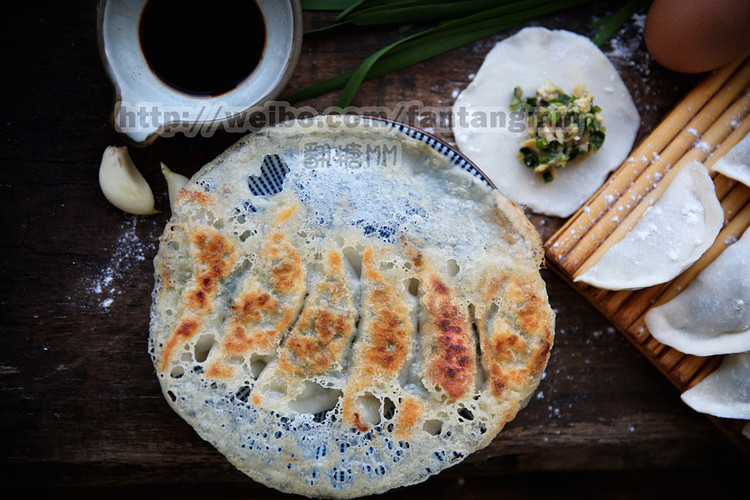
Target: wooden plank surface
[704,126]
[82,415]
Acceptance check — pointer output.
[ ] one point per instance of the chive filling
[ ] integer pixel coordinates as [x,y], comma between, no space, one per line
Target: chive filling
[561,127]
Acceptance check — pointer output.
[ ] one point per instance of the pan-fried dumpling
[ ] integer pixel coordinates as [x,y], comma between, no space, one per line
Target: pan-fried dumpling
[736,163]
[488,132]
[712,315]
[668,238]
[726,391]
[343,306]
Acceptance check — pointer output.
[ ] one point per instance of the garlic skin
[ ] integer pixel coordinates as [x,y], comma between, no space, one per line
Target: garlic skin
[122,183]
[175,182]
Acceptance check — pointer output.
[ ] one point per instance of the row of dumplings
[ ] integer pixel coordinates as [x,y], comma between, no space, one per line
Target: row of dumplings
[711,316]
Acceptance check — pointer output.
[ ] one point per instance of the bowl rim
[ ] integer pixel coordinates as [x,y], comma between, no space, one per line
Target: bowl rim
[435,142]
[284,76]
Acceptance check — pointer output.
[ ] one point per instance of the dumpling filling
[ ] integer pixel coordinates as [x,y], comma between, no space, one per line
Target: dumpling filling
[561,127]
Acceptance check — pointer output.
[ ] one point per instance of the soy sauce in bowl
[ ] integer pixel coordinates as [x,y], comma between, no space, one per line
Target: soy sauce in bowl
[202,47]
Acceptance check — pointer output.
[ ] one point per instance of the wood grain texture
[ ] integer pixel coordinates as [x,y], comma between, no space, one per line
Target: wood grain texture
[704,126]
[82,413]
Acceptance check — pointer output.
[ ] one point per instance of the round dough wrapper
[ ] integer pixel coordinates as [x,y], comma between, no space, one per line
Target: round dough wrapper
[488,133]
[340,308]
[668,238]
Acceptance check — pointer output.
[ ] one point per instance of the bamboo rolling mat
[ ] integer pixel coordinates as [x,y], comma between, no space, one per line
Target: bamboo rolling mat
[705,125]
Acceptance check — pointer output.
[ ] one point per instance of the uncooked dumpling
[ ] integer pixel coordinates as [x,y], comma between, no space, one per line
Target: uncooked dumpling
[736,163]
[669,237]
[712,315]
[488,132]
[726,391]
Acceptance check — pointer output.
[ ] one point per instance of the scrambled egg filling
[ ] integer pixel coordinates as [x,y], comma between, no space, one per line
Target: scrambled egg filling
[560,127]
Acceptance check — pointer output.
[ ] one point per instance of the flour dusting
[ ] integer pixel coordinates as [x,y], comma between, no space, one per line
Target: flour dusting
[126,252]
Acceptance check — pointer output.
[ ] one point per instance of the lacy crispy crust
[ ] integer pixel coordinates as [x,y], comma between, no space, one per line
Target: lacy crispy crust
[346,331]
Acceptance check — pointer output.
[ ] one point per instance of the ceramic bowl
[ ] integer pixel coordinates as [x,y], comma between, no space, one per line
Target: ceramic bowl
[146,107]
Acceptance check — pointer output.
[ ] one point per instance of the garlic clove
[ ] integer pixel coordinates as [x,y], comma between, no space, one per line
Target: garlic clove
[175,182]
[122,183]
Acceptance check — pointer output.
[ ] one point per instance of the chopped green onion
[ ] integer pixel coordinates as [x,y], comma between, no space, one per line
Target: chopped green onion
[547,158]
[530,159]
[597,139]
[558,131]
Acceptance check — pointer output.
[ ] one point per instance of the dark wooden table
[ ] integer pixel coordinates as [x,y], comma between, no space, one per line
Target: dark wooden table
[82,414]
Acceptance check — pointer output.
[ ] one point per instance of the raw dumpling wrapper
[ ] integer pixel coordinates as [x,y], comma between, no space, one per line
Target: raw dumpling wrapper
[736,163]
[726,391]
[669,237]
[712,315]
[528,59]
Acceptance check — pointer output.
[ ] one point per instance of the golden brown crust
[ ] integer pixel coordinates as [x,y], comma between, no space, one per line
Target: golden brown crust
[190,195]
[325,325]
[253,305]
[184,331]
[261,316]
[451,360]
[386,334]
[214,256]
[409,415]
[356,330]
[316,343]
[288,273]
[389,329]
[516,331]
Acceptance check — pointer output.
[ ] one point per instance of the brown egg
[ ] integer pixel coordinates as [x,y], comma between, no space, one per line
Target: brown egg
[692,36]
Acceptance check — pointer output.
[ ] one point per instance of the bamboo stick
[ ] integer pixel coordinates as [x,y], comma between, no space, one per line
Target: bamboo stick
[578,225]
[709,365]
[587,252]
[688,367]
[706,125]
[644,190]
[669,358]
[639,174]
[637,304]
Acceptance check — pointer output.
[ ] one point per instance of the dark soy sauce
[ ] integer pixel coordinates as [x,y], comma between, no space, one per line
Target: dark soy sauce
[204,47]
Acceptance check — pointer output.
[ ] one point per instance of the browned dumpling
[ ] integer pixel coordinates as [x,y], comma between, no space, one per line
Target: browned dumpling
[338,329]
